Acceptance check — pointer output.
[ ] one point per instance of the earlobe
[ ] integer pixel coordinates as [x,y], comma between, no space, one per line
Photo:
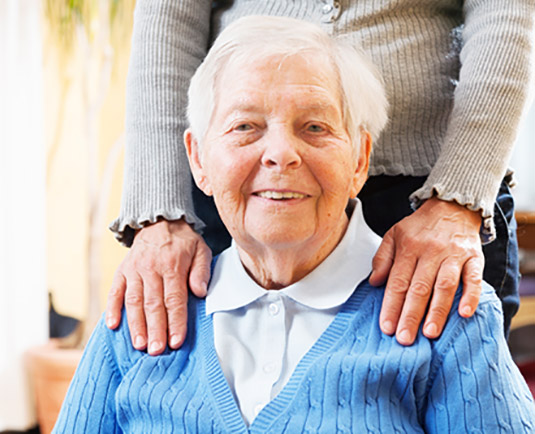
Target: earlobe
[363,163]
[195,163]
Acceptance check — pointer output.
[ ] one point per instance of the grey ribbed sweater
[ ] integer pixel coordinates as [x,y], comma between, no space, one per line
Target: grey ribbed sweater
[457,76]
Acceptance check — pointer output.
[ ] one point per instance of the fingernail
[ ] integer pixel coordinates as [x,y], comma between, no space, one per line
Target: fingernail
[139,341]
[174,341]
[404,337]
[110,321]
[466,311]
[388,327]
[155,346]
[431,329]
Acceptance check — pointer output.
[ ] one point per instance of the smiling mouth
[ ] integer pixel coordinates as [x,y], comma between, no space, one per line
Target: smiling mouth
[280,195]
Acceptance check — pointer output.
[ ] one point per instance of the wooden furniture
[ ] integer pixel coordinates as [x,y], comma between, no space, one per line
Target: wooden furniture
[526,229]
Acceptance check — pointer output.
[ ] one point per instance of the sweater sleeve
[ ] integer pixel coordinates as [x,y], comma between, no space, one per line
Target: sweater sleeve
[89,406]
[490,98]
[169,41]
[475,385]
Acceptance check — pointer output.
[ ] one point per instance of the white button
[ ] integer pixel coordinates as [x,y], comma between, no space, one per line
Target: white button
[257,409]
[273,309]
[269,367]
[327,9]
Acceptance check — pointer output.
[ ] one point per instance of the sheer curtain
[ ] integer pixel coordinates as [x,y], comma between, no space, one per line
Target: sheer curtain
[23,295]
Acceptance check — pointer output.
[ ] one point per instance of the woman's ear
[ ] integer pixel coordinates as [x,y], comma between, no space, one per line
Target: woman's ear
[195,163]
[363,163]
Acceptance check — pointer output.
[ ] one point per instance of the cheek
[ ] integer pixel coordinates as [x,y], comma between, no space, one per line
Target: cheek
[229,173]
[336,178]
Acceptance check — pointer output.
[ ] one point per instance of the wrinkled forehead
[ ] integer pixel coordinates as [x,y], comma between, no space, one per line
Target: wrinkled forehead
[304,75]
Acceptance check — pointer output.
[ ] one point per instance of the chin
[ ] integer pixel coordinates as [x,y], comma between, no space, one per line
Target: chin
[282,237]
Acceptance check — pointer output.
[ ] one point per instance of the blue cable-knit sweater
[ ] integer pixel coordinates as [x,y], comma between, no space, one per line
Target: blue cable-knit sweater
[354,379]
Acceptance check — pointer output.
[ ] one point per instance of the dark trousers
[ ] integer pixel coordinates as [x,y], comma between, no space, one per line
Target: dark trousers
[384,203]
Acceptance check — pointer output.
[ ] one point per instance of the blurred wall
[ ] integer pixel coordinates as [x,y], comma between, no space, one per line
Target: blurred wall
[85,69]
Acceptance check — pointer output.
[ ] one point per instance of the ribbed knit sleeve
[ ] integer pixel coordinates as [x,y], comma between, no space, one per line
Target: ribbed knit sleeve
[89,406]
[169,41]
[489,100]
[476,387]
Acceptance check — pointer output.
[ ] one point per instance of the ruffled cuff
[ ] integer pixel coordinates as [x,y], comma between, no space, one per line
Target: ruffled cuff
[124,228]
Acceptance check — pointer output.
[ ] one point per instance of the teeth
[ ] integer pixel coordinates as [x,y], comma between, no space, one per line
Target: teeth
[280,195]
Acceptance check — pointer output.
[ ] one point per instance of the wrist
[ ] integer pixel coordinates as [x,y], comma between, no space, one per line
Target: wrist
[453,209]
[163,226]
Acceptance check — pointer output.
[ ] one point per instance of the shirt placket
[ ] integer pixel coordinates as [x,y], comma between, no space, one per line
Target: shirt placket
[270,362]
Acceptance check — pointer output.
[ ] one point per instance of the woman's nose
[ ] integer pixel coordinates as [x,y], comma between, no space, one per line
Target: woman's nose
[282,152]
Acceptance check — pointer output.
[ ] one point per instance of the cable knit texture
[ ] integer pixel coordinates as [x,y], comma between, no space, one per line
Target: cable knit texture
[455,123]
[354,379]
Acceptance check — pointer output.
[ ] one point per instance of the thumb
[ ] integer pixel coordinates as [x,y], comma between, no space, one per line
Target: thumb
[383,260]
[200,270]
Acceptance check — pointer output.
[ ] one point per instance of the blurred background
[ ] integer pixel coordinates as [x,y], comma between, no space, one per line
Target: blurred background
[63,66]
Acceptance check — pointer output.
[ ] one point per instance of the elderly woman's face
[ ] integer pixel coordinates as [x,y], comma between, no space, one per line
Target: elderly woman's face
[277,157]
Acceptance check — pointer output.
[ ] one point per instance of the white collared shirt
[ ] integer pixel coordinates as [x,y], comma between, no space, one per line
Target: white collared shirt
[261,335]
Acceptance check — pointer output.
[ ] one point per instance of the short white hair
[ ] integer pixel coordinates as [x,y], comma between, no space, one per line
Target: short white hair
[253,38]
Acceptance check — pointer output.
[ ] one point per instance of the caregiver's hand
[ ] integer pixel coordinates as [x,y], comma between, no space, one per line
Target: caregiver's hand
[424,256]
[152,281]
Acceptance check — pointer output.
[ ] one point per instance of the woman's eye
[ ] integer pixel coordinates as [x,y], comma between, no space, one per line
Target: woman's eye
[243,127]
[315,128]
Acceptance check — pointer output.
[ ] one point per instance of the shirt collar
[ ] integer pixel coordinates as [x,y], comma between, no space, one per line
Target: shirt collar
[329,285]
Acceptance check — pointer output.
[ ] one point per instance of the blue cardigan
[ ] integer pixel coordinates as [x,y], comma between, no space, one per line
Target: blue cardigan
[354,379]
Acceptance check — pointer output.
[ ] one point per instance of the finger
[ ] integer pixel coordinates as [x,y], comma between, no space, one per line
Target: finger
[200,270]
[135,315]
[395,292]
[383,260]
[444,291]
[176,302]
[472,280]
[416,301]
[155,314]
[115,300]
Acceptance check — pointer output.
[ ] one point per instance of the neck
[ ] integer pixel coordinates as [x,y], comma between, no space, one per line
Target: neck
[278,267]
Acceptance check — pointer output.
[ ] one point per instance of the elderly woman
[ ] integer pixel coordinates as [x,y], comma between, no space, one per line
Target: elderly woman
[281,119]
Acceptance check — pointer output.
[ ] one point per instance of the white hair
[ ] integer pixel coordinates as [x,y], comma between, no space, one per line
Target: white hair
[251,39]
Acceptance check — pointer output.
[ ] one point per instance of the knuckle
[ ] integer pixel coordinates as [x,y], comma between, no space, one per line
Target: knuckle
[420,289]
[173,301]
[399,230]
[204,249]
[439,311]
[153,304]
[411,321]
[381,258]
[202,269]
[133,299]
[435,247]
[116,291]
[474,276]
[156,330]
[398,284]
[472,297]
[447,283]
[170,272]
[147,264]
